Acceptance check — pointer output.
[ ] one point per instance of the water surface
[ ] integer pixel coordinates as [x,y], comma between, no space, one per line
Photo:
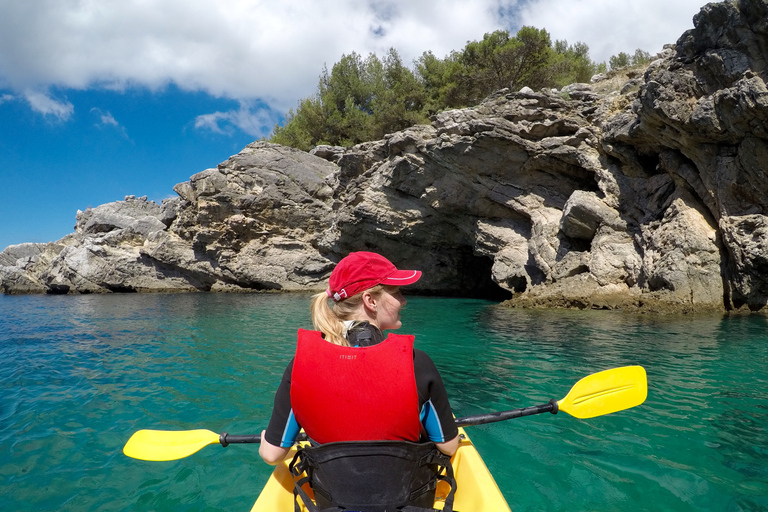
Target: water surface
[80,374]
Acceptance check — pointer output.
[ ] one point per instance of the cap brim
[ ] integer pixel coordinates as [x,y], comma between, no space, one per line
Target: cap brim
[402,278]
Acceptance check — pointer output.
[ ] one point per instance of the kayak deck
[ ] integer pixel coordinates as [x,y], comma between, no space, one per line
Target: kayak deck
[476,489]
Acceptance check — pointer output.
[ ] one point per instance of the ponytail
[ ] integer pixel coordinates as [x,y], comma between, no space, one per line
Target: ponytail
[329,321]
[326,321]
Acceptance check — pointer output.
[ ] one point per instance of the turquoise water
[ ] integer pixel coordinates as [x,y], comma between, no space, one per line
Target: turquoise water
[80,374]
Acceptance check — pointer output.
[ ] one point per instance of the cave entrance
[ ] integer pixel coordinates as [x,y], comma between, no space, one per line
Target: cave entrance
[465,274]
[449,271]
[474,274]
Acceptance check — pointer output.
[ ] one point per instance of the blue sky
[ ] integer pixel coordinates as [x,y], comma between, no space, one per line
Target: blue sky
[99,100]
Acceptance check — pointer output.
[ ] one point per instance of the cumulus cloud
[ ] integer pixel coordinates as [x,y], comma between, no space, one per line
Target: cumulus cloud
[613,26]
[239,49]
[274,50]
[43,103]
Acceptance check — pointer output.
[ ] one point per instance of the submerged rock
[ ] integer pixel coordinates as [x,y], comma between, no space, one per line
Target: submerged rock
[649,195]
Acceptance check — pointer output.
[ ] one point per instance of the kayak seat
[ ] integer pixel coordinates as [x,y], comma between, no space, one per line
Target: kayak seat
[371,476]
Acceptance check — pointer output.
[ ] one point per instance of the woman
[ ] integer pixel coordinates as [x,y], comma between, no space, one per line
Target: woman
[347,381]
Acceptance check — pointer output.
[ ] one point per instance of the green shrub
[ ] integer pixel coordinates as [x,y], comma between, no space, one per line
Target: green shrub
[362,99]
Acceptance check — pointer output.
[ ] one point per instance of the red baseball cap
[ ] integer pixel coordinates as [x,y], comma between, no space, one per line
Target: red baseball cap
[360,271]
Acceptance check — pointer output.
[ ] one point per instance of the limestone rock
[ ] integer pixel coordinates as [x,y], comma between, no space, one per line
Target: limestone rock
[138,215]
[20,266]
[584,213]
[642,190]
[21,255]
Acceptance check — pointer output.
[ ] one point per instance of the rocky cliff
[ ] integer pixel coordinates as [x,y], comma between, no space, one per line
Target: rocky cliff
[650,192]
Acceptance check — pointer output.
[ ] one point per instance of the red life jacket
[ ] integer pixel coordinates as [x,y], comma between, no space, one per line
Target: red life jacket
[343,393]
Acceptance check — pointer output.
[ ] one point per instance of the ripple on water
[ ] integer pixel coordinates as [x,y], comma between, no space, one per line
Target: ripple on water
[80,374]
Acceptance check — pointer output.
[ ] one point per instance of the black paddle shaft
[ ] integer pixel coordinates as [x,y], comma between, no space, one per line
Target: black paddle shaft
[480,419]
[492,417]
[226,439]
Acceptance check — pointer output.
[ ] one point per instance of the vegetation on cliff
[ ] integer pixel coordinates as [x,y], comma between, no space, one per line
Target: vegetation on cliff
[362,99]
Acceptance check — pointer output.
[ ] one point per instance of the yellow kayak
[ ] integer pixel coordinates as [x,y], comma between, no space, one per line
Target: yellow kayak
[476,489]
[601,393]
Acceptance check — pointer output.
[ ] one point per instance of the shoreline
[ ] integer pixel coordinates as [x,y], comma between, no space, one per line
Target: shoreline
[629,304]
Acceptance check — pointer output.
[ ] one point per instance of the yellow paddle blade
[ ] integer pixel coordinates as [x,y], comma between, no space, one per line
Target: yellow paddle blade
[606,392]
[168,445]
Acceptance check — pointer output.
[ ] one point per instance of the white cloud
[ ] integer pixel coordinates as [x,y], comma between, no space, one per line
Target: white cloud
[255,120]
[274,50]
[239,49]
[46,105]
[613,26]
[6,97]
[108,119]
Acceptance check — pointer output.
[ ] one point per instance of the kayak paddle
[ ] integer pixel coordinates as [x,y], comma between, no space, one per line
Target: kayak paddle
[158,445]
[595,395]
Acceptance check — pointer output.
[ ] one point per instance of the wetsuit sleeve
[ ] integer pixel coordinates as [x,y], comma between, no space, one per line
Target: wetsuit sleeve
[436,414]
[283,427]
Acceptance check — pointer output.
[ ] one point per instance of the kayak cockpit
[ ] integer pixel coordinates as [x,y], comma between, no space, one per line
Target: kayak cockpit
[476,489]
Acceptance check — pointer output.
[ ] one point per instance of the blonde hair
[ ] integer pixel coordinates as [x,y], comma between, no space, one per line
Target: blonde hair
[330,321]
